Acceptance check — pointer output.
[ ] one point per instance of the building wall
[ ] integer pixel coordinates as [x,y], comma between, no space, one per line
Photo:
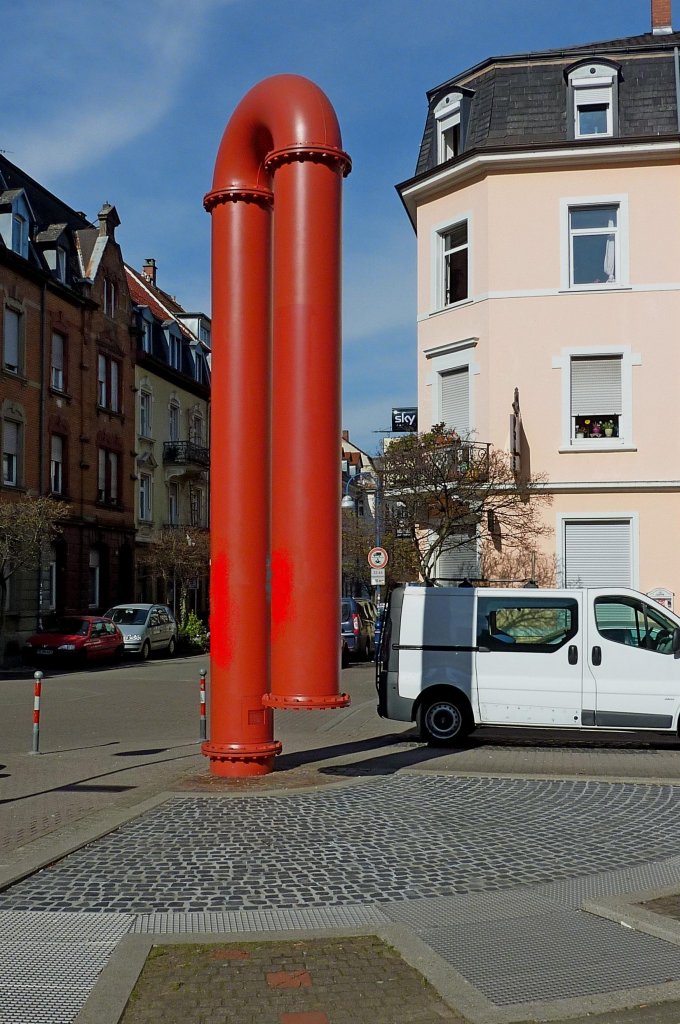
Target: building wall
[521,323]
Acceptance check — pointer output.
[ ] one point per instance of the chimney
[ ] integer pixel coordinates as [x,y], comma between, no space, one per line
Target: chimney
[149,271]
[661,17]
[108,220]
[345,435]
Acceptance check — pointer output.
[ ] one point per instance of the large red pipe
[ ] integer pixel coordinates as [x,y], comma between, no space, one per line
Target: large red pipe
[275,481]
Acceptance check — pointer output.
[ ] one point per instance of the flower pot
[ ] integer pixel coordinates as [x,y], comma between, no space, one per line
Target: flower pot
[579,433]
[608,432]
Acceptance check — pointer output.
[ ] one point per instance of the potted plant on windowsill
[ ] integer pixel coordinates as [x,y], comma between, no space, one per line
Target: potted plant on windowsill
[608,427]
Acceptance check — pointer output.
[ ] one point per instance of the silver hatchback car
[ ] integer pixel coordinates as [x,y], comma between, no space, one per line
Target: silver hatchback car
[145,628]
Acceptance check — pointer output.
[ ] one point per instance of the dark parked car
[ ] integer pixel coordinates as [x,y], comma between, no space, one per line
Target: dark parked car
[357,628]
[75,638]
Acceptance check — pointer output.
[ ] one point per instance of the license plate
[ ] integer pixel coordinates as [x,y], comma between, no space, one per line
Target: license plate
[44,652]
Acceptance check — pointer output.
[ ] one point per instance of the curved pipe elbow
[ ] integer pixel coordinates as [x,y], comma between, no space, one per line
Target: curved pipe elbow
[280,115]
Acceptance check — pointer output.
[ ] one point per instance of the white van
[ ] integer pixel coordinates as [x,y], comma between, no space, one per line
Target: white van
[453,658]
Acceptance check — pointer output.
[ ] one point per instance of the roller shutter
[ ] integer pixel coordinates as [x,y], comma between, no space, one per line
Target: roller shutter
[598,553]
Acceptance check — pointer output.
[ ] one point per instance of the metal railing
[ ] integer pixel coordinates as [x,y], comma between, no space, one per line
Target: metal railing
[182,452]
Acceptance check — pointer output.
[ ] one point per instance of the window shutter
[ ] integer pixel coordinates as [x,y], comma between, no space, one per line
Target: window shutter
[598,554]
[455,563]
[596,387]
[455,392]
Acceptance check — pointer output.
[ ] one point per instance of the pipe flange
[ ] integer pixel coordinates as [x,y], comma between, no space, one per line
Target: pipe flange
[241,751]
[292,702]
[261,196]
[335,158]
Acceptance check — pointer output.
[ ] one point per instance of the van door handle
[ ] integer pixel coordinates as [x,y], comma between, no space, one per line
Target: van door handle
[573,654]
[597,655]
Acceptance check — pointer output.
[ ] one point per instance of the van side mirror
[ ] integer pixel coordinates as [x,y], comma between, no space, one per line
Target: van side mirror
[676,640]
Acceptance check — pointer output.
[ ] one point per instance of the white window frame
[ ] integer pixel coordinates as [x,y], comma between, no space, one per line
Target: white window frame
[145,497]
[57,358]
[94,577]
[109,297]
[57,464]
[61,263]
[174,418]
[145,413]
[593,84]
[19,234]
[173,504]
[632,517]
[13,364]
[443,359]
[626,439]
[196,428]
[146,335]
[621,236]
[11,458]
[438,263]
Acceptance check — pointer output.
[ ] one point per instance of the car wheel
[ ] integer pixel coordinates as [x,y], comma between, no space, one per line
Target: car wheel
[171,647]
[442,721]
[146,650]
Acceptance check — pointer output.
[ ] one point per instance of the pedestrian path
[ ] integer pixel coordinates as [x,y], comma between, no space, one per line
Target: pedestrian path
[482,881]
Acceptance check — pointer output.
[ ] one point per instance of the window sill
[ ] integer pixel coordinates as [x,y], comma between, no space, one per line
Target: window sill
[111,412]
[596,446]
[14,375]
[59,393]
[452,306]
[586,289]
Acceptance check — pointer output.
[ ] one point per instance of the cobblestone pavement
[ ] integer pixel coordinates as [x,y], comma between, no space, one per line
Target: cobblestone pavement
[407,837]
[488,875]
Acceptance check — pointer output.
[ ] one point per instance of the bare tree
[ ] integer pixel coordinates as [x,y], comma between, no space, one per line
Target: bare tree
[519,565]
[26,527]
[180,555]
[358,537]
[447,490]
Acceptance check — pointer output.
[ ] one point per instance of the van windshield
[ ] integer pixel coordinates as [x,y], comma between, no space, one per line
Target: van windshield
[128,616]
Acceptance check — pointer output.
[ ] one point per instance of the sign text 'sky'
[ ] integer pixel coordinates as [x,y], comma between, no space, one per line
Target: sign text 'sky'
[404,420]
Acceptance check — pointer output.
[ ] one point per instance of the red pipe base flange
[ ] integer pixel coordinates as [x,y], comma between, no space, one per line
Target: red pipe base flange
[293,701]
[241,760]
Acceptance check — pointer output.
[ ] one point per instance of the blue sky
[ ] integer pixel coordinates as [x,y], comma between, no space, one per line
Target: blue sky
[126,103]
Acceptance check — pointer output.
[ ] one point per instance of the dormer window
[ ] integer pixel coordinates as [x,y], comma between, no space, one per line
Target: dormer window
[593,101]
[61,263]
[15,219]
[449,126]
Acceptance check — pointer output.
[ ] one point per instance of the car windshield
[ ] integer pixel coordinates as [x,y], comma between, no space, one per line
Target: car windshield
[128,616]
[345,609]
[69,626]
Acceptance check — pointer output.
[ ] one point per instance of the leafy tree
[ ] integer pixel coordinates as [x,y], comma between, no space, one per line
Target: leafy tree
[444,489]
[179,555]
[27,526]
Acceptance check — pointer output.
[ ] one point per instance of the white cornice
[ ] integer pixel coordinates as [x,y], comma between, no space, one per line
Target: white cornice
[448,179]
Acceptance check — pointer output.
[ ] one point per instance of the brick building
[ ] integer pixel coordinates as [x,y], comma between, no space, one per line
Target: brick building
[66,398]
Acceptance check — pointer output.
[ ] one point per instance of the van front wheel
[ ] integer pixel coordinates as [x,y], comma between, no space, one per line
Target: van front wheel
[442,721]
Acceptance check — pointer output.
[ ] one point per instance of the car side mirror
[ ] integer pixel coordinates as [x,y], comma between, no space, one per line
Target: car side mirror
[676,640]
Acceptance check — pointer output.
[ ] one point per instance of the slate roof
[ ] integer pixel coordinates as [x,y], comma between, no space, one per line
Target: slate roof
[520,100]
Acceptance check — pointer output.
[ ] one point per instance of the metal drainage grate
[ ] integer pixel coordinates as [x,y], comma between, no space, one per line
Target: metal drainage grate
[561,956]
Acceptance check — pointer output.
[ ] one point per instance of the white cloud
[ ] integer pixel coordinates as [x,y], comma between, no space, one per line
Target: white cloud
[91,78]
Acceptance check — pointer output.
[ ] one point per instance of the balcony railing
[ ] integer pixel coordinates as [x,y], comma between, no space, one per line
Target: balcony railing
[186,453]
[448,464]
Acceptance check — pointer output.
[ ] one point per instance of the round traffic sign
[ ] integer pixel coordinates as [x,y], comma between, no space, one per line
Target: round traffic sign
[377,558]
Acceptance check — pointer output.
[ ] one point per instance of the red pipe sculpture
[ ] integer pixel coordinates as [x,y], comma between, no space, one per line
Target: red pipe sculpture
[275,423]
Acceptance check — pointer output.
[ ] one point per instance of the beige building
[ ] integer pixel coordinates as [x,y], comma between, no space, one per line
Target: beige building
[172,380]
[546,204]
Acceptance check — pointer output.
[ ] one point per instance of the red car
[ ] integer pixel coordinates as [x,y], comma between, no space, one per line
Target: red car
[77,639]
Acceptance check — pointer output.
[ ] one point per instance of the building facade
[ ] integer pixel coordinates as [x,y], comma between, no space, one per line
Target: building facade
[66,398]
[546,204]
[172,382]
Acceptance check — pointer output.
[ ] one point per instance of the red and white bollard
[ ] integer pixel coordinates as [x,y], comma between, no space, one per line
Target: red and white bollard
[36,711]
[204,725]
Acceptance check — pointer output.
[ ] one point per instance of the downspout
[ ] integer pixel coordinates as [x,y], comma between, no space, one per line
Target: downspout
[41,436]
[275,418]
[676,55]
